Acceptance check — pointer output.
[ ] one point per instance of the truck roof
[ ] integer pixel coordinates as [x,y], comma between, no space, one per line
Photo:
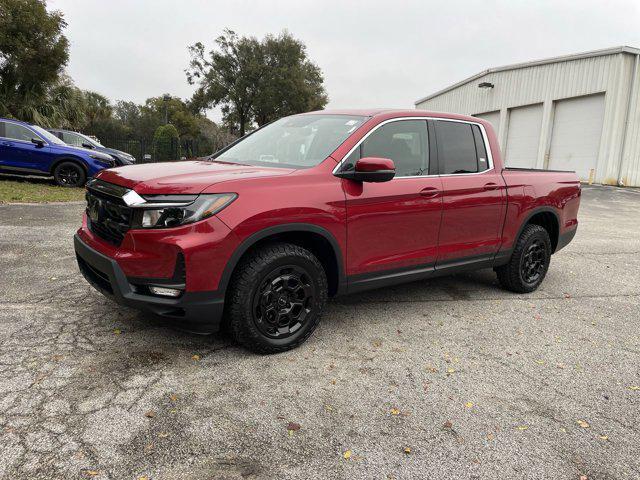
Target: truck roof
[391,113]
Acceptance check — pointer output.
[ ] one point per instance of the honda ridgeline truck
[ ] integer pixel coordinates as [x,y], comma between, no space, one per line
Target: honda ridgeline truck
[258,236]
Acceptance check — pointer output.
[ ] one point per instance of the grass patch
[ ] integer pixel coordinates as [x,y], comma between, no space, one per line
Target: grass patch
[36,190]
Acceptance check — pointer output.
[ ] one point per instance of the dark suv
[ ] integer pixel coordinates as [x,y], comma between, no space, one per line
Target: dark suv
[76,139]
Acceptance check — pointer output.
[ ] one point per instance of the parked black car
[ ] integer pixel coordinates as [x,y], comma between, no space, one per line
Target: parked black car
[80,140]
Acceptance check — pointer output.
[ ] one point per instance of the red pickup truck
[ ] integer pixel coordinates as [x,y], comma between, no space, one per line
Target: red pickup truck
[256,237]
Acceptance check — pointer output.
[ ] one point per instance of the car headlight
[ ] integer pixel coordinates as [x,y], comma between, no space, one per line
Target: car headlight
[125,156]
[175,210]
[102,158]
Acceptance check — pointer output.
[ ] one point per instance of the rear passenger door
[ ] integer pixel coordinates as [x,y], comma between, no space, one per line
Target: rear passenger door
[473,194]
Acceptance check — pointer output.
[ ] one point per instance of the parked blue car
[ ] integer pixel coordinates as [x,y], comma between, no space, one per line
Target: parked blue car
[30,150]
[77,139]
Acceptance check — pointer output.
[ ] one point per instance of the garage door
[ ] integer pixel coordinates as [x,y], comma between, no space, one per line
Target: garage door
[575,138]
[493,118]
[523,136]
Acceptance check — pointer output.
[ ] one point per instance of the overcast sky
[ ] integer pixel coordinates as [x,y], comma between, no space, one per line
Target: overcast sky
[372,53]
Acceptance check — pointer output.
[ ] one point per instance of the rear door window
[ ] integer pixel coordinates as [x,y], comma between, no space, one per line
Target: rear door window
[456,148]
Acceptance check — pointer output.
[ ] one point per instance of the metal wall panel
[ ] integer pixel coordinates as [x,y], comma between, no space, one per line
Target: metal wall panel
[492,117]
[547,83]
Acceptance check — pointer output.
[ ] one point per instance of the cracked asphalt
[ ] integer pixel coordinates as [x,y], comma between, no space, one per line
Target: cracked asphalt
[476,382]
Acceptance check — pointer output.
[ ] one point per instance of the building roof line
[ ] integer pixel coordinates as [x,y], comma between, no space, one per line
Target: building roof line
[534,63]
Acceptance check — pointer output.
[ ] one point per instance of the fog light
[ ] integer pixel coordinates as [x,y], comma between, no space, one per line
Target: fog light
[165,292]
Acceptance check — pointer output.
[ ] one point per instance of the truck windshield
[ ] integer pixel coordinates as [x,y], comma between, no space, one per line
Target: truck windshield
[300,141]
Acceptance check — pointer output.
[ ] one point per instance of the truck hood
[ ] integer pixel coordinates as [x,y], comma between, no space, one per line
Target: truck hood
[189,177]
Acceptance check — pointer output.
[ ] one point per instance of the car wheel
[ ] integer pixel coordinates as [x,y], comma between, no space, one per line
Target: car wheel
[277,295]
[69,174]
[529,261]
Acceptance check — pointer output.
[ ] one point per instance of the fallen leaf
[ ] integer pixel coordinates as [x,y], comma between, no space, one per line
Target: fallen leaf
[293,427]
[328,408]
[489,436]
[635,388]
[583,477]
[117,331]
[150,414]
[93,473]
[522,427]
[469,404]
[447,425]
[451,370]
[195,357]
[163,435]
[395,411]
[144,477]
[583,424]
[407,450]
[377,343]
[173,397]
[347,455]
[567,295]
[431,369]
[604,437]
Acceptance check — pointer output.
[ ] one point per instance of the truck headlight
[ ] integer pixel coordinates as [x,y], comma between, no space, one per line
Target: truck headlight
[202,207]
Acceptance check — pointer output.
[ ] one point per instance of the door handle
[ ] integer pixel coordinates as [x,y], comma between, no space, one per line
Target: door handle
[429,192]
[491,186]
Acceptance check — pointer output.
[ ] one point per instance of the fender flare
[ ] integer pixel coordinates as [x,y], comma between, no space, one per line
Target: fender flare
[77,160]
[251,240]
[503,256]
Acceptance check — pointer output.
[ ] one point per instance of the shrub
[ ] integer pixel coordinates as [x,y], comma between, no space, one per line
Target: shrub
[166,143]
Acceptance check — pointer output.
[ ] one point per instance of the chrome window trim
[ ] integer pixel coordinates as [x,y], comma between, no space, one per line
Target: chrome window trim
[485,139]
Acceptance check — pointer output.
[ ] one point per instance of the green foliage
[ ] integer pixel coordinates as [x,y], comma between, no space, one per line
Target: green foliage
[166,145]
[33,53]
[255,81]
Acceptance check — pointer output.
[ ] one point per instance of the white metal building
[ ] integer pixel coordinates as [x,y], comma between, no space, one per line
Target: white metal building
[577,112]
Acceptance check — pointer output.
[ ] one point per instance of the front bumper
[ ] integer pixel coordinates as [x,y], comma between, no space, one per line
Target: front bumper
[197,311]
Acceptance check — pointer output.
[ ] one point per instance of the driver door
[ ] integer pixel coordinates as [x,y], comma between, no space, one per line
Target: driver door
[393,227]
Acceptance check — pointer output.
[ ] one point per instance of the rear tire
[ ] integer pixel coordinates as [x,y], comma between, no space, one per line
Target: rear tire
[69,174]
[276,298]
[529,261]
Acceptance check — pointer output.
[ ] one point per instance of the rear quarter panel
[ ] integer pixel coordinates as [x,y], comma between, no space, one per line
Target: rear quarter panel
[531,191]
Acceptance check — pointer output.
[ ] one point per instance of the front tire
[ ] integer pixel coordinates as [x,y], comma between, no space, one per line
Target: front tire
[276,298]
[69,174]
[529,261]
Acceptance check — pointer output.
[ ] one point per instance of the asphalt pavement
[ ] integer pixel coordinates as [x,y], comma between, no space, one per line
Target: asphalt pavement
[451,378]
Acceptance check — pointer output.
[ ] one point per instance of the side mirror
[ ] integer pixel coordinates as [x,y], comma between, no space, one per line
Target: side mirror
[87,145]
[37,142]
[370,169]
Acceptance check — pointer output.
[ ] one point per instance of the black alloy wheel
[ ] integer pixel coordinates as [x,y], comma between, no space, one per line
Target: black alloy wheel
[283,302]
[532,264]
[69,174]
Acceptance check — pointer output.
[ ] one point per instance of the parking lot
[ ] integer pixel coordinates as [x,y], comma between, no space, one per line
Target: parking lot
[447,379]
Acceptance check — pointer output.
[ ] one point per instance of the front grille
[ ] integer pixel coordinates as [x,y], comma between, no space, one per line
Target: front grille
[108,216]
